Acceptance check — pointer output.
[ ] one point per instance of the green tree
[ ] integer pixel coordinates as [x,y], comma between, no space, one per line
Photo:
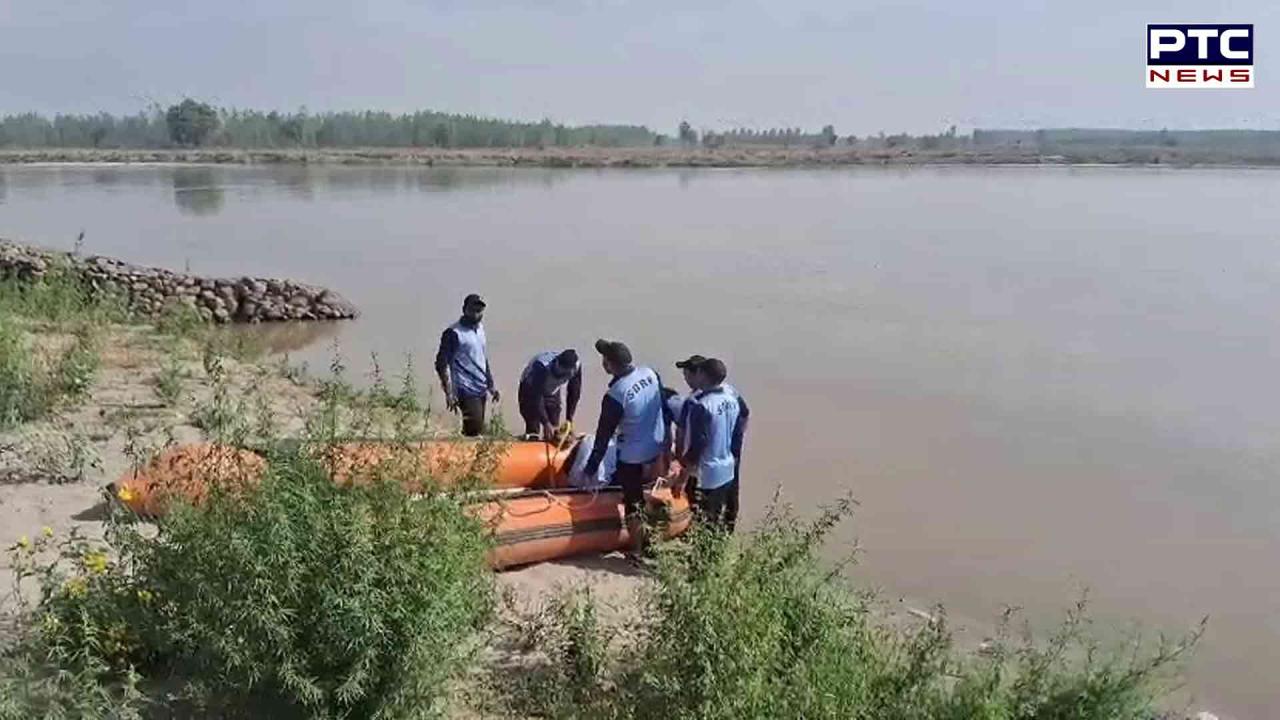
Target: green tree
[191,122]
[688,136]
[828,134]
[440,135]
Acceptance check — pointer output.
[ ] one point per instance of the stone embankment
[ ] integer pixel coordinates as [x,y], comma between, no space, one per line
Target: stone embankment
[150,290]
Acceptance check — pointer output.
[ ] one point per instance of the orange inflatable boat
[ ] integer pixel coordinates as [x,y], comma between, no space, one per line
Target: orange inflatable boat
[541,520]
[537,525]
[518,464]
[189,471]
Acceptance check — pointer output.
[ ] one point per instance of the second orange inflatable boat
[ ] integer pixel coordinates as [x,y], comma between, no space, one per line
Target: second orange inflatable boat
[536,526]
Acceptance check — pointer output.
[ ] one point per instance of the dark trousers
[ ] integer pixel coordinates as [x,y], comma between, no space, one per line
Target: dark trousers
[631,477]
[712,507]
[530,398]
[731,506]
[731,509]
[472,408]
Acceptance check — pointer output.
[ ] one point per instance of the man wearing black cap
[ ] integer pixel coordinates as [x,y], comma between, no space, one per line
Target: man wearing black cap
[633,409]
[715,419]
[462,363]
[678,405]
[539,394]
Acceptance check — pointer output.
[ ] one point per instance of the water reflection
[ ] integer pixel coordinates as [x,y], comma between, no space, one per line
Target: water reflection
[305,182]
[197,191]
[286,337]
[298,181]
[105,177]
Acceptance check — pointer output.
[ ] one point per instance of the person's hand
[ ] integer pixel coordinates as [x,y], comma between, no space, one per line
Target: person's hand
[451,400]
[497,396]
[677,485]
[548,432]
[674,468]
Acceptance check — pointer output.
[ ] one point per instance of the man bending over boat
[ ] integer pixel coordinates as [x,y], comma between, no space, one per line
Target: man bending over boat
[539,393]
[462,363]
[632,409]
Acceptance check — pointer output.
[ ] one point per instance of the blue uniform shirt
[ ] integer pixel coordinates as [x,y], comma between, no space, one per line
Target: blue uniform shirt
[714,440]
[469,362]
[642,429]
[541,365]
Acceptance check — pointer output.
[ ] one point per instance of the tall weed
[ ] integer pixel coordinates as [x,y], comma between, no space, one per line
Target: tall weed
[760,627]
[296,599]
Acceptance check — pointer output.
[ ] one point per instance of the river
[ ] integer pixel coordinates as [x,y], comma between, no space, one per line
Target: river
[1033,380]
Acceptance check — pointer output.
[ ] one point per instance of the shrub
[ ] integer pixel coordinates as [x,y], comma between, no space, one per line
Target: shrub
[297,599]
[30,388]
[19,397]
[60,664]
[758,627]
[60,295]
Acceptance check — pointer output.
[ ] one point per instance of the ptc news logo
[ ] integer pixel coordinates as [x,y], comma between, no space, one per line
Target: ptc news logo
[1199,56]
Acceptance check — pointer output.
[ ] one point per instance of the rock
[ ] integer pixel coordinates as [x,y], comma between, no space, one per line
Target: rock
[245,298]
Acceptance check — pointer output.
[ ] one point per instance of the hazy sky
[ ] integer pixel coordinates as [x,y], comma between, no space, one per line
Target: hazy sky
[864,66]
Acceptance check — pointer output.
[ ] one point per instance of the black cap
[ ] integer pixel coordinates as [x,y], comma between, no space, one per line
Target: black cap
[693,363]
[473,299]
[614,351]
[568,358]
[715,370]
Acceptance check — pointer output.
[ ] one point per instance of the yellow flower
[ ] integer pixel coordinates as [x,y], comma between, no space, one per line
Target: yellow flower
[24,542]
[50,623]
[126,494]
[145,596]
[74,587]
[46,531]
[95,562]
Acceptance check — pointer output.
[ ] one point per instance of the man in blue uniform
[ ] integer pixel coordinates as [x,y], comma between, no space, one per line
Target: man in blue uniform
[678,405]
[716,417]
[462,363]
[632,409]
[539,394]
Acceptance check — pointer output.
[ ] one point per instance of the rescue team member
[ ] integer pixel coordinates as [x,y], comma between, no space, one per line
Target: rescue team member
[677,405]
[731,509]
[539,393]
[633,409]
[463,366]
[715,420]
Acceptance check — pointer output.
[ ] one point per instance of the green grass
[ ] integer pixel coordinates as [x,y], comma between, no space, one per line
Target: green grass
[32,383]
[60,296]
[760,627]
[32,386]
[298,599]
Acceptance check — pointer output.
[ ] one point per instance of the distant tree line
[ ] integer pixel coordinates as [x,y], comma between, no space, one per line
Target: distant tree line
[1065,139]
[192,123]
[786,137]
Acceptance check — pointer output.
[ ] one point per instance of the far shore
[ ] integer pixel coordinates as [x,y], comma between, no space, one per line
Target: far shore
[652,157]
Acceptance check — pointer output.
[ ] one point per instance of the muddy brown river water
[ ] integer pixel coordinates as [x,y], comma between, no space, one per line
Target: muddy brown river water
[1033,380]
